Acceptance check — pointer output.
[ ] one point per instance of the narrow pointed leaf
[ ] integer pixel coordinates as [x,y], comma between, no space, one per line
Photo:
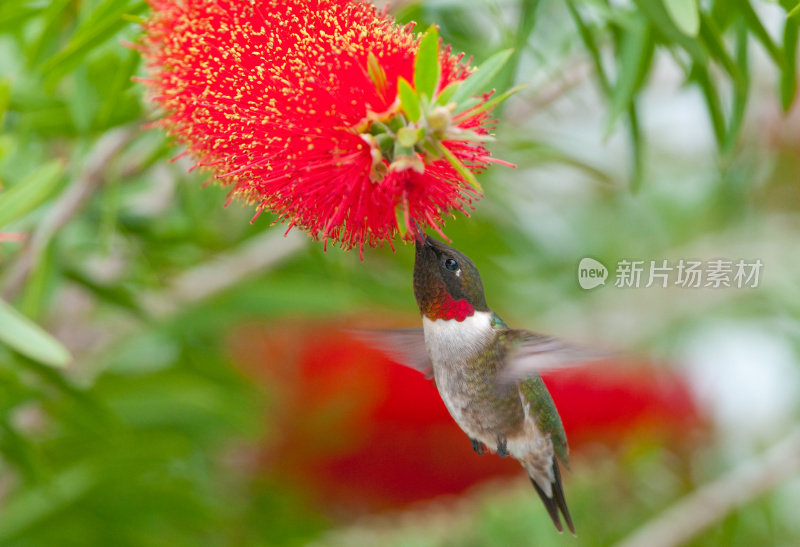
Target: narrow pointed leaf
[741,91]
[590,43]
[104,22]
[462,169]
[15,14]
[703,79]
[427,69]
[794,14]
[467,104]
[636,53]
[30,507]
[711,37]
[655,11]
[401,215]
[446,96]
[30,192]
[789,72]
[5,97]
[543,152]
[527,18]
[409,101]
[480,79]
[685,14]
[53,19]
[32,301]
[637,148]
[26,337]
[488,105]
[758,30]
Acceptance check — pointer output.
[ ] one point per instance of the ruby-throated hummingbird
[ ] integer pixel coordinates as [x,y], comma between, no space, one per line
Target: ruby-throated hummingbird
[486,372]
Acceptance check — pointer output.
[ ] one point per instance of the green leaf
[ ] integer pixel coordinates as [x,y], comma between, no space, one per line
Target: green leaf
[401,215]
[741,91]
[789,72]
[637,148]
[711,37]
[17,449]
[26,337]
[116,295]
[33,505]
[489,105]
[462,169]
[32,302]
[446,96]
[636,54]
[30,192]
[655,11]
[110,77]
[758,30]
[590,43]
[722,13]
[527,18]
[409,101]
[535,151]
[794,12]
[5,97]
[427,68]
[482,76]
[53,18]
[82,104]
[103,23]
[685,14]
[14,14]
[700,75]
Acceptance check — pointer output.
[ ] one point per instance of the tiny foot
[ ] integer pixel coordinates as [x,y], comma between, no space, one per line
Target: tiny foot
[502,449]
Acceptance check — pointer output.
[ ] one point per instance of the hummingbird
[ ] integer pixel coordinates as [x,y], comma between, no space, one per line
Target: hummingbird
[486,372]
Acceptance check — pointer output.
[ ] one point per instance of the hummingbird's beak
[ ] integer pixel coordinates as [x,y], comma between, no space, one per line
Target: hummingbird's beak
[420,236]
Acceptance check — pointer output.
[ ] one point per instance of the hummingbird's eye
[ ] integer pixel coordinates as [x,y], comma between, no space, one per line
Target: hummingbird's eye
[451,264]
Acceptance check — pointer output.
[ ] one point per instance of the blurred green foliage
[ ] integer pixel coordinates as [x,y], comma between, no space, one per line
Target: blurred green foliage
[131,443]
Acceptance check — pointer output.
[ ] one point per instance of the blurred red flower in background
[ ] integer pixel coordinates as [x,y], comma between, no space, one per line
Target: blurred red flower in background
[363,433]
[297,104]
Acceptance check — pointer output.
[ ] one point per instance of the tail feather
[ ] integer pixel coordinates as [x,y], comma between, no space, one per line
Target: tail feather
[561,501]
[557,502]
[550,505]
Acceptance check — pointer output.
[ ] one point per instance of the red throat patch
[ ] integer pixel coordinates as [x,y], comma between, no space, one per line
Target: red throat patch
[445,307]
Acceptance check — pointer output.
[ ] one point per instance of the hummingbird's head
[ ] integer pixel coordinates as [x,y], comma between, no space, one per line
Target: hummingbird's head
[446,283]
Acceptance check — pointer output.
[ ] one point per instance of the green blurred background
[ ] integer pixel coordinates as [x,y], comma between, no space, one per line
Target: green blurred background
[649,130]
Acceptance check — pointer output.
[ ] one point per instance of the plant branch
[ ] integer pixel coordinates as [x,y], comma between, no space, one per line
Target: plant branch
[89,339]
[224,271]
[712,502]
[70,203]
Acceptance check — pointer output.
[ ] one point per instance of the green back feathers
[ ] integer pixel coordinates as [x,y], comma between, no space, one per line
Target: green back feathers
[546,415]
[542,406]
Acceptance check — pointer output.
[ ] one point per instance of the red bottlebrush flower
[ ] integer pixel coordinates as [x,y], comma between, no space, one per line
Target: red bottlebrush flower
[305,107]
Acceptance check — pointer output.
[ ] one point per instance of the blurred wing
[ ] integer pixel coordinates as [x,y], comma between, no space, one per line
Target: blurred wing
[404,346]
[532,354]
